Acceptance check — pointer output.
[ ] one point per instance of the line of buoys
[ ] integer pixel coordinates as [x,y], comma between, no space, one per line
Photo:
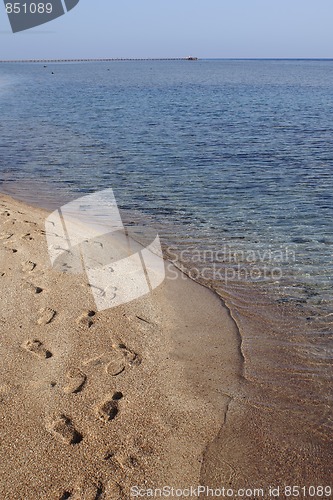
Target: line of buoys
[97,60]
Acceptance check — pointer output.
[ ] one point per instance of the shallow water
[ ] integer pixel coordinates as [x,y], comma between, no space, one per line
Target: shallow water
[231,156]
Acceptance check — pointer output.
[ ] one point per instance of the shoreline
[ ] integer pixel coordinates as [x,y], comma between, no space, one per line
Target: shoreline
[172,401]
[192,411]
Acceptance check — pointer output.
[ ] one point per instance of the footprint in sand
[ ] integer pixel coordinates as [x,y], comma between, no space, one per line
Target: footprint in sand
[131,357]
[6,236]
[63,428]
[103,360]
[27,237]
[121,357]
[77,379]
[28,266]
[32,288]
[89,489]
[37,347]
[30,222]
[85,320]
[126,462]
[114,491]
[115,362]
[66,495]
[93,490]
[46,315]
[11,250]
[108,410]
[120,460]
[117,365]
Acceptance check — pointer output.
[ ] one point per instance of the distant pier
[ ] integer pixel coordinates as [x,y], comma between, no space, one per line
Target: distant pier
[49,61]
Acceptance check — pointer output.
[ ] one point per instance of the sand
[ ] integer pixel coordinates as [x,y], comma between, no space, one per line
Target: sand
[150,393]
[93,403]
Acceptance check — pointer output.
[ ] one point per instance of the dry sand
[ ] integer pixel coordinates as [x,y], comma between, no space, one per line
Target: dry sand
[150,393]
[92,403]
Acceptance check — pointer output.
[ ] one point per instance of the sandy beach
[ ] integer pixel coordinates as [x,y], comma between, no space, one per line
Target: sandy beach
[148,394]
[99,402]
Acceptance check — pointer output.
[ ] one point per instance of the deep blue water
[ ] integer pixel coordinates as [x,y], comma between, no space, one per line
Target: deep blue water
[215,154]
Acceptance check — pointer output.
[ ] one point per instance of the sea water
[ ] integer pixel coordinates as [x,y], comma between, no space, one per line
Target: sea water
[231,161]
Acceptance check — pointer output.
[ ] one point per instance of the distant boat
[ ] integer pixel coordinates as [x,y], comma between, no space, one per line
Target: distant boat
[191,58]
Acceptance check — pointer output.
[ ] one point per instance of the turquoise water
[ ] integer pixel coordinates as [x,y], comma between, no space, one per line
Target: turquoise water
[234,157]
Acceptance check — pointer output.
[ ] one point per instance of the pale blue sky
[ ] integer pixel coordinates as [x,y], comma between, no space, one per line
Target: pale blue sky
[176,28]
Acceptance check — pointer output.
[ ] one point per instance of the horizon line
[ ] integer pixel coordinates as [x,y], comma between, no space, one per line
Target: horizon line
[189,58]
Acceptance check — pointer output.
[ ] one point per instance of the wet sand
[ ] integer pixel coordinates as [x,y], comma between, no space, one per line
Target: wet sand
[155,392]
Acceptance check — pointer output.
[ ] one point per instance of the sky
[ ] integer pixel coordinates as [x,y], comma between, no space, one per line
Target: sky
[178,28]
